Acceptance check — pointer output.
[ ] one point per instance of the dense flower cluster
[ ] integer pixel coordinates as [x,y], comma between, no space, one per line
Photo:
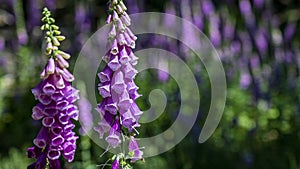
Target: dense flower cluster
[117,87]
[56,105]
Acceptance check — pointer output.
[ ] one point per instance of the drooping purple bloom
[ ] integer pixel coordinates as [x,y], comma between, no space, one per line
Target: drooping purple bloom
[55,109]
[117,88]
[134,150]
[115,164]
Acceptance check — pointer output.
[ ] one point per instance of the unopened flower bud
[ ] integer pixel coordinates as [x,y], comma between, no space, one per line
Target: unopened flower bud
[60,38]
[64,55]
[50,66]
[55,41]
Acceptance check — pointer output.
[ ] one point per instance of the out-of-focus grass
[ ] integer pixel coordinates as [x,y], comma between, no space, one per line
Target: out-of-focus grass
[16,159]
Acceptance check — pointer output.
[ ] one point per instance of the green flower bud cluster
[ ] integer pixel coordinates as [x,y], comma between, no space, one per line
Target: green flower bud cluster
[53,36]
[117,5]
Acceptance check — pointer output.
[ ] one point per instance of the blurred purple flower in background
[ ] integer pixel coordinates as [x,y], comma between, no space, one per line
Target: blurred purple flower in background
[34,16]
[245,80]
[289,32]
[258,3]
[51,4]
[207,7]
[85,115]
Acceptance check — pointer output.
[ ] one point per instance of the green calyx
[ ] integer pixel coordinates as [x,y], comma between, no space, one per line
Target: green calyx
[53,36]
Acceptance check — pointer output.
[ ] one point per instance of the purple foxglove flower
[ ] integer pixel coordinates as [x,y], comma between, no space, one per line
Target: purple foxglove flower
[125,20]
[136,112]
[131,87]
[129,71]
[41,140]
[115,16]
[121,39]
[105,75]
[37,112]
[56,107]
[120,25]
[125,101]
[118,109]
[40,163]
[118,84]
[105,91]
[134,150]
[108,20]
[128,120]
[111,106]
[33,152]
[105,125]
[113,138]
[48,121]
[114,63]
[115,164]
[63,118]
[50,66]
[124,56]
[114,48]
[133,59]
[54,164]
